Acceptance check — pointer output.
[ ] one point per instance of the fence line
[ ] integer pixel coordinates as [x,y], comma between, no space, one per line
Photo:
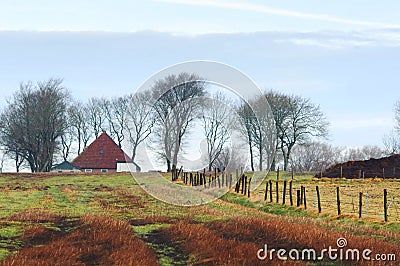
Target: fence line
[357,201]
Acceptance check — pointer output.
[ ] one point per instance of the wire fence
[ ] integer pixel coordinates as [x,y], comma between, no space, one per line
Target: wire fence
[370,198]
[360,199]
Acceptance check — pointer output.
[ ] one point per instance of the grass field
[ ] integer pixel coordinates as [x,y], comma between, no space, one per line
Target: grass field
[107,219]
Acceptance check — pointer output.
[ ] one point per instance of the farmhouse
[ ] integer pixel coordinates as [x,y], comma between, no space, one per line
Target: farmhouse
[104,155]
[65,167]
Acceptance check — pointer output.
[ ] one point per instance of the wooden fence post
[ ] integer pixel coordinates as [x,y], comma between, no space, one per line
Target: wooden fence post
[383,173]
[385,205]
[341,171]
[248,188]
[305,198]
[266,191]
[290,193]
[180,171]
[284,192]
[298,197]
[245,185]
[338,200]
[270,190]
[277,175]
[277,191]
[242,183]
[292,173]
[360,205]
[318,199]
[301,195]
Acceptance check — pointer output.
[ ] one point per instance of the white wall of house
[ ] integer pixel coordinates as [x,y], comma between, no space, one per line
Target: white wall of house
[126,167]
[65,171]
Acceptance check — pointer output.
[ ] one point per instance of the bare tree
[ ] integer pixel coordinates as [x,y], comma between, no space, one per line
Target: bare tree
[229,158]
[314,156]
[263,132]
[2,158]
[397,116]
[115,111]
[177,102]
[363,153]
[66,141]
[280,107]
[139,119]
[96,115]
[258,130]
[79,121]
[217,119]
[11,147]
[297,121]
[249,121]
[391,143]
[34,121]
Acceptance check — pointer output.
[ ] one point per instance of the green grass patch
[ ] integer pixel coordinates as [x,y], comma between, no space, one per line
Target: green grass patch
[148,228]
[238,199]
[285,210]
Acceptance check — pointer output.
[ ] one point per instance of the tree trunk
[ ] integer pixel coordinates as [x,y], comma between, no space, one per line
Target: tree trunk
[17,162]
[261,157]
[285,161]
[251,151]
[289,151]
[251,159]
[79,142]
[133,153]
[273,164]
[168,165]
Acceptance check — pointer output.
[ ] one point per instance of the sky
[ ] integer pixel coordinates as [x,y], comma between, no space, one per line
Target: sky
[343,55]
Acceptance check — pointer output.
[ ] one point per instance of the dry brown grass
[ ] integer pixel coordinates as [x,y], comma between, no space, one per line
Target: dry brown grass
[210,248]
[278,233]
[36,215]
[128,198]
[98,240]
[38,235]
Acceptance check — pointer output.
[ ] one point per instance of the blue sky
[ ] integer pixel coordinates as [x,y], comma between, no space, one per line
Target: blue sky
[344,55]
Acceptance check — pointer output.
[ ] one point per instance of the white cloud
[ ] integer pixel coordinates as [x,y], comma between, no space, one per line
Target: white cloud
[361,123]
[282,12]
[340,40]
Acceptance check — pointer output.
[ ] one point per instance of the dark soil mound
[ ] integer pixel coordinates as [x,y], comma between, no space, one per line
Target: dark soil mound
[387,167]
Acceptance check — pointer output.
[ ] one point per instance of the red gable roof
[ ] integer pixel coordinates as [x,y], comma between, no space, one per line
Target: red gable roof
[103,153]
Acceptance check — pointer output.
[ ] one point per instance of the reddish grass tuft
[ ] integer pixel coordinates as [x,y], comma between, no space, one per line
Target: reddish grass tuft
[211,249]
[99,240]
[35,215]
[38,235]
[278,233]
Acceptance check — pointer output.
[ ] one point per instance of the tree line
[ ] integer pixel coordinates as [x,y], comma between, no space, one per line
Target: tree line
[42,123]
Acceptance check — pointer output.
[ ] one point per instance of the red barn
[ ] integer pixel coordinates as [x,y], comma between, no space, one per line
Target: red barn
[103,155]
